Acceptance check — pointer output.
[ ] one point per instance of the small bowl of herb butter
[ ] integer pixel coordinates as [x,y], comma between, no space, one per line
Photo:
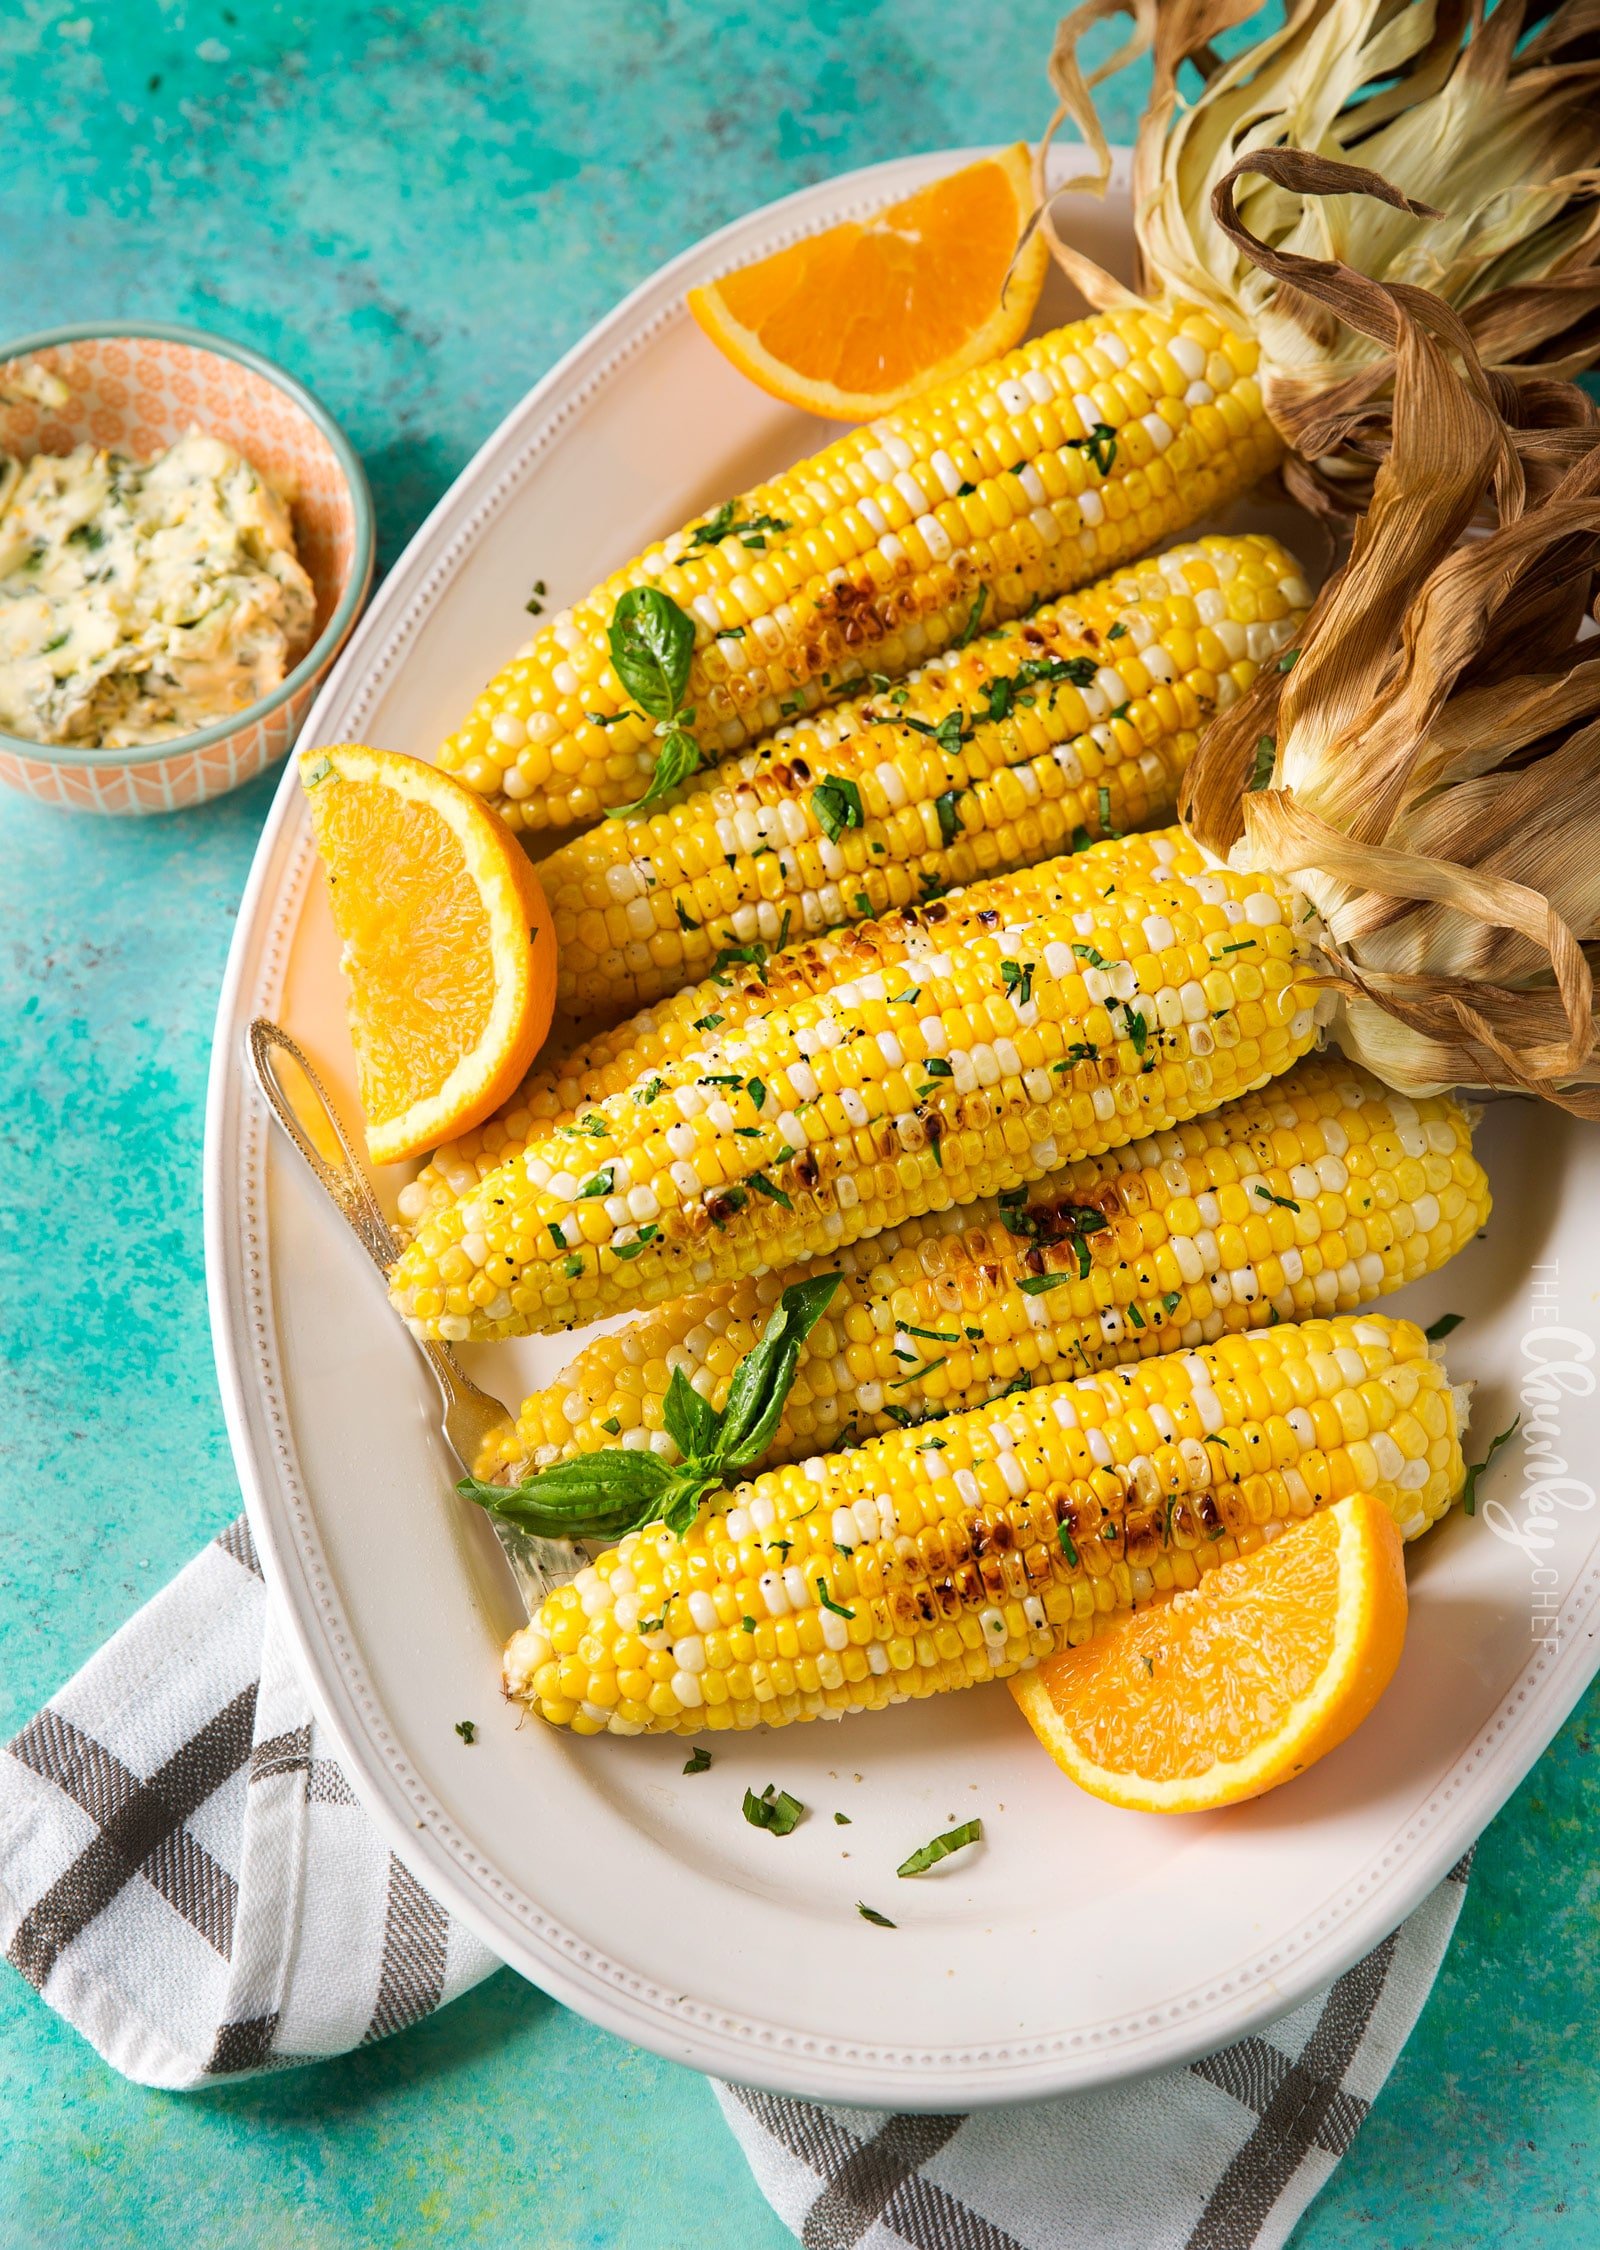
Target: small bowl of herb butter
[186,540]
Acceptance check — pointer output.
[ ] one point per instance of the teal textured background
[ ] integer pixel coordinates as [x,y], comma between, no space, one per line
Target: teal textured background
[416,208]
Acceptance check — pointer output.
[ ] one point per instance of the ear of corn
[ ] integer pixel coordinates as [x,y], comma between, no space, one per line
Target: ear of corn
[630,1054]
[1107,1003]
[1020,480]
[931,1560]
[1074,724]
[1311,1197]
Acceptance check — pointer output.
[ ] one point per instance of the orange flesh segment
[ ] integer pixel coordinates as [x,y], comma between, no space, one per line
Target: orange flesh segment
[853,322]
[417,935]
[1233,1687]
[905,290]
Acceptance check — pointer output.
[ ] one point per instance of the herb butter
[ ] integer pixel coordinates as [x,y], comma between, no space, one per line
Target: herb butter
[142,600]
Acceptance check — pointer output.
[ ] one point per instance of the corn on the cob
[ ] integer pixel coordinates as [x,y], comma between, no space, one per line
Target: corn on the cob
[565,1085]
[1078,722]
[1108,1003]
[937,1559]
[1313,1196]
[1020,480]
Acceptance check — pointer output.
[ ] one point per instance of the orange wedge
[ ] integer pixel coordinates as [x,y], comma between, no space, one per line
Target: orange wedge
[448,944]
[857,320]
[1227,1690]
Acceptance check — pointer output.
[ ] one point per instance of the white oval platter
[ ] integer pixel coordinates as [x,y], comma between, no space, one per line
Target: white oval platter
[1077,1944]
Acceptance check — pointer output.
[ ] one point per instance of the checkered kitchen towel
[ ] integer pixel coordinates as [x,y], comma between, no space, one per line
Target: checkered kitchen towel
[186,1876]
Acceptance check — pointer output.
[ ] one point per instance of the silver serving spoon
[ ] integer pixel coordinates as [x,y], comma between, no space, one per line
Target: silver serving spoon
[470,1416]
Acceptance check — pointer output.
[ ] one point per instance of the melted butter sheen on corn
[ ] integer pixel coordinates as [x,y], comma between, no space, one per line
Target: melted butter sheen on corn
[998,483]
[933,1560]
[630,1053]
[1107,1003]
[1311,1197]
[754,852]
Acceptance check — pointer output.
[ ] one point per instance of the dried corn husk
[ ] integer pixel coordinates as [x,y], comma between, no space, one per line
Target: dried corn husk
[1441,154]
[1434,751]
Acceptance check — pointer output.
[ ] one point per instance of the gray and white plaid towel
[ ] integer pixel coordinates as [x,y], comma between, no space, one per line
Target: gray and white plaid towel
[186,1876]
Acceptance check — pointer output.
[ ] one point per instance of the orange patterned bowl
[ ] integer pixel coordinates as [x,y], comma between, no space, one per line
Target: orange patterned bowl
[140,388]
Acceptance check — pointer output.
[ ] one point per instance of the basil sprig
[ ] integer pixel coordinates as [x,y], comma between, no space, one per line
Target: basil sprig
[602,1495]
[652,648]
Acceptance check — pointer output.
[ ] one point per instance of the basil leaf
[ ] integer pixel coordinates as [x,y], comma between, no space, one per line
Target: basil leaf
[871,1914]
[774,1810]
[1444,1326]
[677,759]
[762,1378]
[693,1424]
[595,1496]
[1040,1284]
[1475,1469]
[652,646]
[837,805]
[953,1840]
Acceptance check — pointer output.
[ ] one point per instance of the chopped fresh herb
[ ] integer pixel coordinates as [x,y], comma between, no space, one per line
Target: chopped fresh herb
[980,602]
[913,992]
[1284,1202]
[572,1266]
[864,903]
[1100,445]
[871,1914]
[640,1242]
[467,1729]
[686,920]
[1445,1325]
[1171,1301]
[932,1335]
[937,1066]
[1117,631]
[928,1367]
[949,819]
[837,805]
[708,1023]
[1261,771]
[763,1186]
[828,1601]
[1064,1542]
[751,531]
[1002,695]
[748,1624]
[1475,1469]
[1288,660]
[318,770]
[774,1810]
[783,930]
[613,719]
[718,1078]
[1094,959]
[949,733]
[1137,1030]
[1121,712]
[757,1092]
[1239,945]
[652,1089]
[1040,1284]
[1103,796]
[1017,977]
[599,1185]
[842,1820]
[752,955]
[612,1425]
[730,633]
[953,1840]
[1136,1316]
[698,1760]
